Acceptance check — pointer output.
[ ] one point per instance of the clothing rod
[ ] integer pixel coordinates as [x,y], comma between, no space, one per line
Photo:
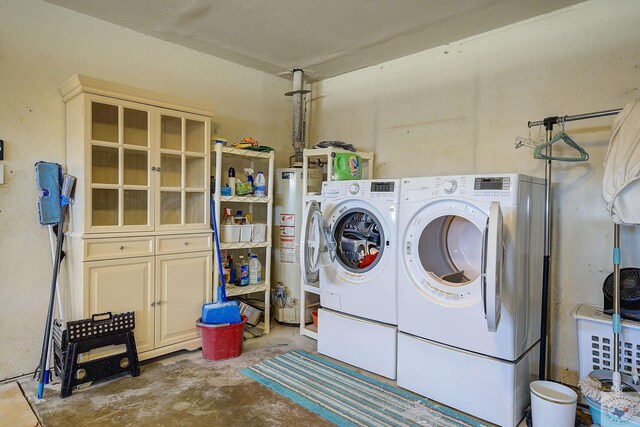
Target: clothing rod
[548,123]
[561,119]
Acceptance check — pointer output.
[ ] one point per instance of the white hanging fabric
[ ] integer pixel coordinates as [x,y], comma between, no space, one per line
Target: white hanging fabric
[621,182]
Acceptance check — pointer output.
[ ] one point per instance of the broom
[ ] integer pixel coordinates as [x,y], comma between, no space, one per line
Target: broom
[221,311]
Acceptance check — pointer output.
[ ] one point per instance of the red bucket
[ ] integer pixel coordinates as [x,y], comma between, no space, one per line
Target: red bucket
[221,342]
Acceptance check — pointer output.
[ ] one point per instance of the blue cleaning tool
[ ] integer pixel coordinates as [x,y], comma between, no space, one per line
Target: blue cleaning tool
[58,191]
[221,311]
[49,179]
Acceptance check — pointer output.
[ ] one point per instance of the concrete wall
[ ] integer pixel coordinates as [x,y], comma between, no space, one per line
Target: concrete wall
[457,109]
[41,46]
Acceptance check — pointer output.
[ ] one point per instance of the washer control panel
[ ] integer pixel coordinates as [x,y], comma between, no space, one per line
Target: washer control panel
[387,190]
[450,186]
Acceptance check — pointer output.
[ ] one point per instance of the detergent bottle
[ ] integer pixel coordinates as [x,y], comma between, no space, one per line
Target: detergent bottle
[244,271]
[347,166]
[260,185]
[255,269]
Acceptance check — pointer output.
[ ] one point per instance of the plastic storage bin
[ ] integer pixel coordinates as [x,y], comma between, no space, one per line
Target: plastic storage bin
[595,341]
[221,342]
[229,233]
[259,233]
[245,232]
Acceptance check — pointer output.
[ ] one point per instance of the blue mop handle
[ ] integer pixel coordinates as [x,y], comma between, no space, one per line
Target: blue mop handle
[222,293]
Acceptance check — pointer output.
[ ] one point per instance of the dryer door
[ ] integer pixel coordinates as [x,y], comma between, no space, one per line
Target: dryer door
[318,249]
[492,267]
[453,251]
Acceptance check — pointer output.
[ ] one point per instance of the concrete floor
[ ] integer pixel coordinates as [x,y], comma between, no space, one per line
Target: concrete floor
[183,389]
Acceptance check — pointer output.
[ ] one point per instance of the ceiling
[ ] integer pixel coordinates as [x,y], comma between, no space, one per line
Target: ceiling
[324,37]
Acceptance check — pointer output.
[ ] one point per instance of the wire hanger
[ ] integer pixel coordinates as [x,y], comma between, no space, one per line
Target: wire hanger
[530,141]
[561,136]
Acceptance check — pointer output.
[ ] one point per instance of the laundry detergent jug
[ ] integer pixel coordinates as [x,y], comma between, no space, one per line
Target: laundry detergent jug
[347,166]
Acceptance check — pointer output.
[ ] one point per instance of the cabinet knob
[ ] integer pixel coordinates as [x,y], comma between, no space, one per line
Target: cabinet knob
[158,169]
[186,243]
[158,302]
[121,248]
[153,304]
[153,168]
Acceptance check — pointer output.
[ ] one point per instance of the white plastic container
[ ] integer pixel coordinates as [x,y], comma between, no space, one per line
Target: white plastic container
[595,341]
[552,404]
[260,186]
[230,233]
[255,271]
[245,232]
[259,233]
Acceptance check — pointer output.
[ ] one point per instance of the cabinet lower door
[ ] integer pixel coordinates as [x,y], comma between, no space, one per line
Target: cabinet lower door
[124,285]
[184,284]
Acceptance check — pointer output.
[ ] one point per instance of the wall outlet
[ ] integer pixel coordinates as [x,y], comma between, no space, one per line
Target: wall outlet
[1,174]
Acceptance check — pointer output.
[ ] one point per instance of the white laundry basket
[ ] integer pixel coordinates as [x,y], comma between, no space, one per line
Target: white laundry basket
[595,342]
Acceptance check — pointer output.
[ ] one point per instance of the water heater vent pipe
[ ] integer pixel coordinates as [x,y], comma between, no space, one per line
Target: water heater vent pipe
[298,113]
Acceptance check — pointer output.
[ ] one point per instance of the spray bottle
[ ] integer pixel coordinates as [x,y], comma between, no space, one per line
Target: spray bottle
[248,172]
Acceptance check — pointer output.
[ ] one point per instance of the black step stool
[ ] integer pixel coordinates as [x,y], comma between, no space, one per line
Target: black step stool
[81,336]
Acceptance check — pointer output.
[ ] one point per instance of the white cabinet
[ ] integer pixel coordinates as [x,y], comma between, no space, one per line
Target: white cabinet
[182,288]
[146,168]
[124,285]
[165,292]
[139,234]
[118,157]
[184,171]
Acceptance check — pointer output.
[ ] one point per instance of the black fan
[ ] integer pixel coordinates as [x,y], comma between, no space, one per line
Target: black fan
[629,291]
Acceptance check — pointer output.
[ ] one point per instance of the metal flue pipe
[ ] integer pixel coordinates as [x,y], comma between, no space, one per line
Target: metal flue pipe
[298,113]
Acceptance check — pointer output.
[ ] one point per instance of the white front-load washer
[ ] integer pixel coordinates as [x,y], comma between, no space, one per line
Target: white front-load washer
[349,240]
[469,291]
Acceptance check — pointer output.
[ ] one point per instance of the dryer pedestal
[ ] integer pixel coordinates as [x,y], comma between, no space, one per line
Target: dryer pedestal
[359,342]
[492,389]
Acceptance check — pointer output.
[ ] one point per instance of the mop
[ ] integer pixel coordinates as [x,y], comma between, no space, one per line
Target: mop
[49,180]
[56,192]
[221,311]
[613,394]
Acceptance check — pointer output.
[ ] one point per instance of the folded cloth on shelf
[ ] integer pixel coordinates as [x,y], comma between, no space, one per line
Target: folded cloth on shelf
[336,144]
[621,182]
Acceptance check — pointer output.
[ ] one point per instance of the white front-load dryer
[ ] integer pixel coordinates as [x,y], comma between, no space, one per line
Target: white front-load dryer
[469,291]
[349,243]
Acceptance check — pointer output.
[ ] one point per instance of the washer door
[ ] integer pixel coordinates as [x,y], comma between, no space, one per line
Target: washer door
[360,239]
[318,249]
[454,251]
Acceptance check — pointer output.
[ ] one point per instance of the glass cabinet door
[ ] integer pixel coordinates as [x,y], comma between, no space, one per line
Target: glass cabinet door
[184,172]
[120,158]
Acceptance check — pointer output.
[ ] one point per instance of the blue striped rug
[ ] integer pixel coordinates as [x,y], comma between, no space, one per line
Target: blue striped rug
[348,398]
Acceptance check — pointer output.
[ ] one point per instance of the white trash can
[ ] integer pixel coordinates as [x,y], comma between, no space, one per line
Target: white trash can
[552,404]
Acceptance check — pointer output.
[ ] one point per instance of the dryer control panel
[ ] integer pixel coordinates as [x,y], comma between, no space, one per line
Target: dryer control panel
[500,187]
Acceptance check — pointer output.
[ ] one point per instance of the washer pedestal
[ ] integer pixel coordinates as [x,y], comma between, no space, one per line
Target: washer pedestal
[492,389]
[362,343]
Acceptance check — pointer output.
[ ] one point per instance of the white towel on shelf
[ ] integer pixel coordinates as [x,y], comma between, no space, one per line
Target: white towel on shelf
[621,182]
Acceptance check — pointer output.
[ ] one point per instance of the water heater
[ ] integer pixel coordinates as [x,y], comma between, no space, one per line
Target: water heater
[287,228]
